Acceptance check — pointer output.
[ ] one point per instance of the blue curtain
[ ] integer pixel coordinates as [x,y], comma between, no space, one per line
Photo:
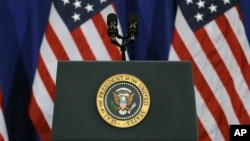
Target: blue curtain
[156,18]
[22,23]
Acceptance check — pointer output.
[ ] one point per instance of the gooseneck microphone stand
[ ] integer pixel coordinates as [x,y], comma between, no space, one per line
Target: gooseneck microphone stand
[128,38]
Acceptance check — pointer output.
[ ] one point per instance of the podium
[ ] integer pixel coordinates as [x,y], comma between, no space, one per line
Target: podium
[171,114]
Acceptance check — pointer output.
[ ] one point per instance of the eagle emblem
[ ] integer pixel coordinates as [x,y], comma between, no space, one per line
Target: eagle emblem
[123,98]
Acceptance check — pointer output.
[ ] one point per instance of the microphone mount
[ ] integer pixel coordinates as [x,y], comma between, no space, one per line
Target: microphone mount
[114,34]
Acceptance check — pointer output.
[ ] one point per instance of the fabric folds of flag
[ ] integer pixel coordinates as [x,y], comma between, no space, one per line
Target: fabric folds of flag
[211,35]
[76,30]
[3,129]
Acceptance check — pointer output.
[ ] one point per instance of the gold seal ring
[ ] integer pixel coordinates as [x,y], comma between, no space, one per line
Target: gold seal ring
[123,100]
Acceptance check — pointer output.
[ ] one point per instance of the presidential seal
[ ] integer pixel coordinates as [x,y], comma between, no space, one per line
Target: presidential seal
[123,100]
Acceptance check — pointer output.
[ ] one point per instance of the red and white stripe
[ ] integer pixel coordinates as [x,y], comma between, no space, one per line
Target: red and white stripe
[87,42]
[3,129]
[220,57]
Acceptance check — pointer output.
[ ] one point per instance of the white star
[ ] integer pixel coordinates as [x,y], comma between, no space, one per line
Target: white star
[226,1]
[89,7]
[77,4]
[102,1]
[76,17]
[65,2]
[199,17]
[201,4]
[213,8]
[189,1]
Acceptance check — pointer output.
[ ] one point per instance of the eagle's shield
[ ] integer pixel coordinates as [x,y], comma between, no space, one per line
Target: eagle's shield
[123,104]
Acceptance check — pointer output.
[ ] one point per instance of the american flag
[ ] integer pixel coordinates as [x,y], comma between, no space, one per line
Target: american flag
[3,130]
[76,30]
[210,34]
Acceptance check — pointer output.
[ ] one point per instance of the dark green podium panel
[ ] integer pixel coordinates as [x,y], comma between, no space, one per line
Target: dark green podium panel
[172,113]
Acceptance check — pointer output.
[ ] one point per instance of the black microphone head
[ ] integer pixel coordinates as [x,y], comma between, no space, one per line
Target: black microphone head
[112,19]
[112,25]
[133,17]
[132,26]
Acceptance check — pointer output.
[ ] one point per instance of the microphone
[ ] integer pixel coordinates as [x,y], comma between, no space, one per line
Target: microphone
[128,38]
[112,26]
[132,26]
